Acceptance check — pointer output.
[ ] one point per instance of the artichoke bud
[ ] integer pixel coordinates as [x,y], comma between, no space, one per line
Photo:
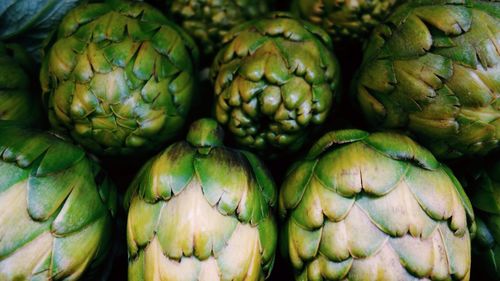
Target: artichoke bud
[203,211]
[430,69]
[275,82]
[119,77]
[57,209]
[208,21]
[362,205]
[351,20]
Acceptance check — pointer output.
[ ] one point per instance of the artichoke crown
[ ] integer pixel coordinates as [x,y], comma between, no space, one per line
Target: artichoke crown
[119,77]
[433,67]
[363,205]
[202,210]
[56,208]
[275,80]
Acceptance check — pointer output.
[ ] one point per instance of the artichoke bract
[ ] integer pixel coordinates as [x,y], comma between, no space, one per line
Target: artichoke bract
[275,82]
[351,20]
[29,22]
[375,206]
[201,211]
[56,208]
[485,196]
[433,69]
[207,21]
[18,99]
[119,77]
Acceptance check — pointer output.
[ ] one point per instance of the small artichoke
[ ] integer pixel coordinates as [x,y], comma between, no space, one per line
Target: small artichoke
[485,197]
[56,209]
[344,19]
[201,211]
[275,81]
[375,206]
[433,68]
[119,77]
[207,21]
[18,100]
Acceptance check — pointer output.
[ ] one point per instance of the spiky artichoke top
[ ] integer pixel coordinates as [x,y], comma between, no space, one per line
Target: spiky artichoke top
[56,208]
[119,77]
[209,20]
[18,99]
[275,80]
[434,68]
[375,206]
[201,211]
[344,19]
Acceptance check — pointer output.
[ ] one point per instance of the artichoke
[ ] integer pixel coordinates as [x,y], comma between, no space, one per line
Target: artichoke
[119,77]
[56,208]
[29,22]
[344,19]
[375,206]
[275,82]
[209,20]
[201,211]
[18,101]
[433,68]
[485,197]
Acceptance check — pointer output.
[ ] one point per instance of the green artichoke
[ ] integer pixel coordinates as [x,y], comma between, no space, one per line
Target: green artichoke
[344,19]
[29,22]
[485,197]
[56,208]
[209,20]
[375,206]
[433,68]
[275,82]
[201,211]
[18,100]
[119,77]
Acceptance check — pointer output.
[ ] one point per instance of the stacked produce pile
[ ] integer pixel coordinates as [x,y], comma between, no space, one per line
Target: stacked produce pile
[247,140]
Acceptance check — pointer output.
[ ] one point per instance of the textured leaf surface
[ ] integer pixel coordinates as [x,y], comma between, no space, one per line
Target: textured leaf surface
[275,81]
[119,78]
[432,69]
[378,207]
[214,223]
[55,218]
[352,20]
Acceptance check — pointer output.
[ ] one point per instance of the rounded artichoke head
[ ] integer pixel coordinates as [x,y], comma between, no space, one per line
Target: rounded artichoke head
[201,211]
[18,100]
[275,82]
[207,21]
[432,69]
[484,191]
[352,20]
[119,77]
[362,205]
[56,208]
